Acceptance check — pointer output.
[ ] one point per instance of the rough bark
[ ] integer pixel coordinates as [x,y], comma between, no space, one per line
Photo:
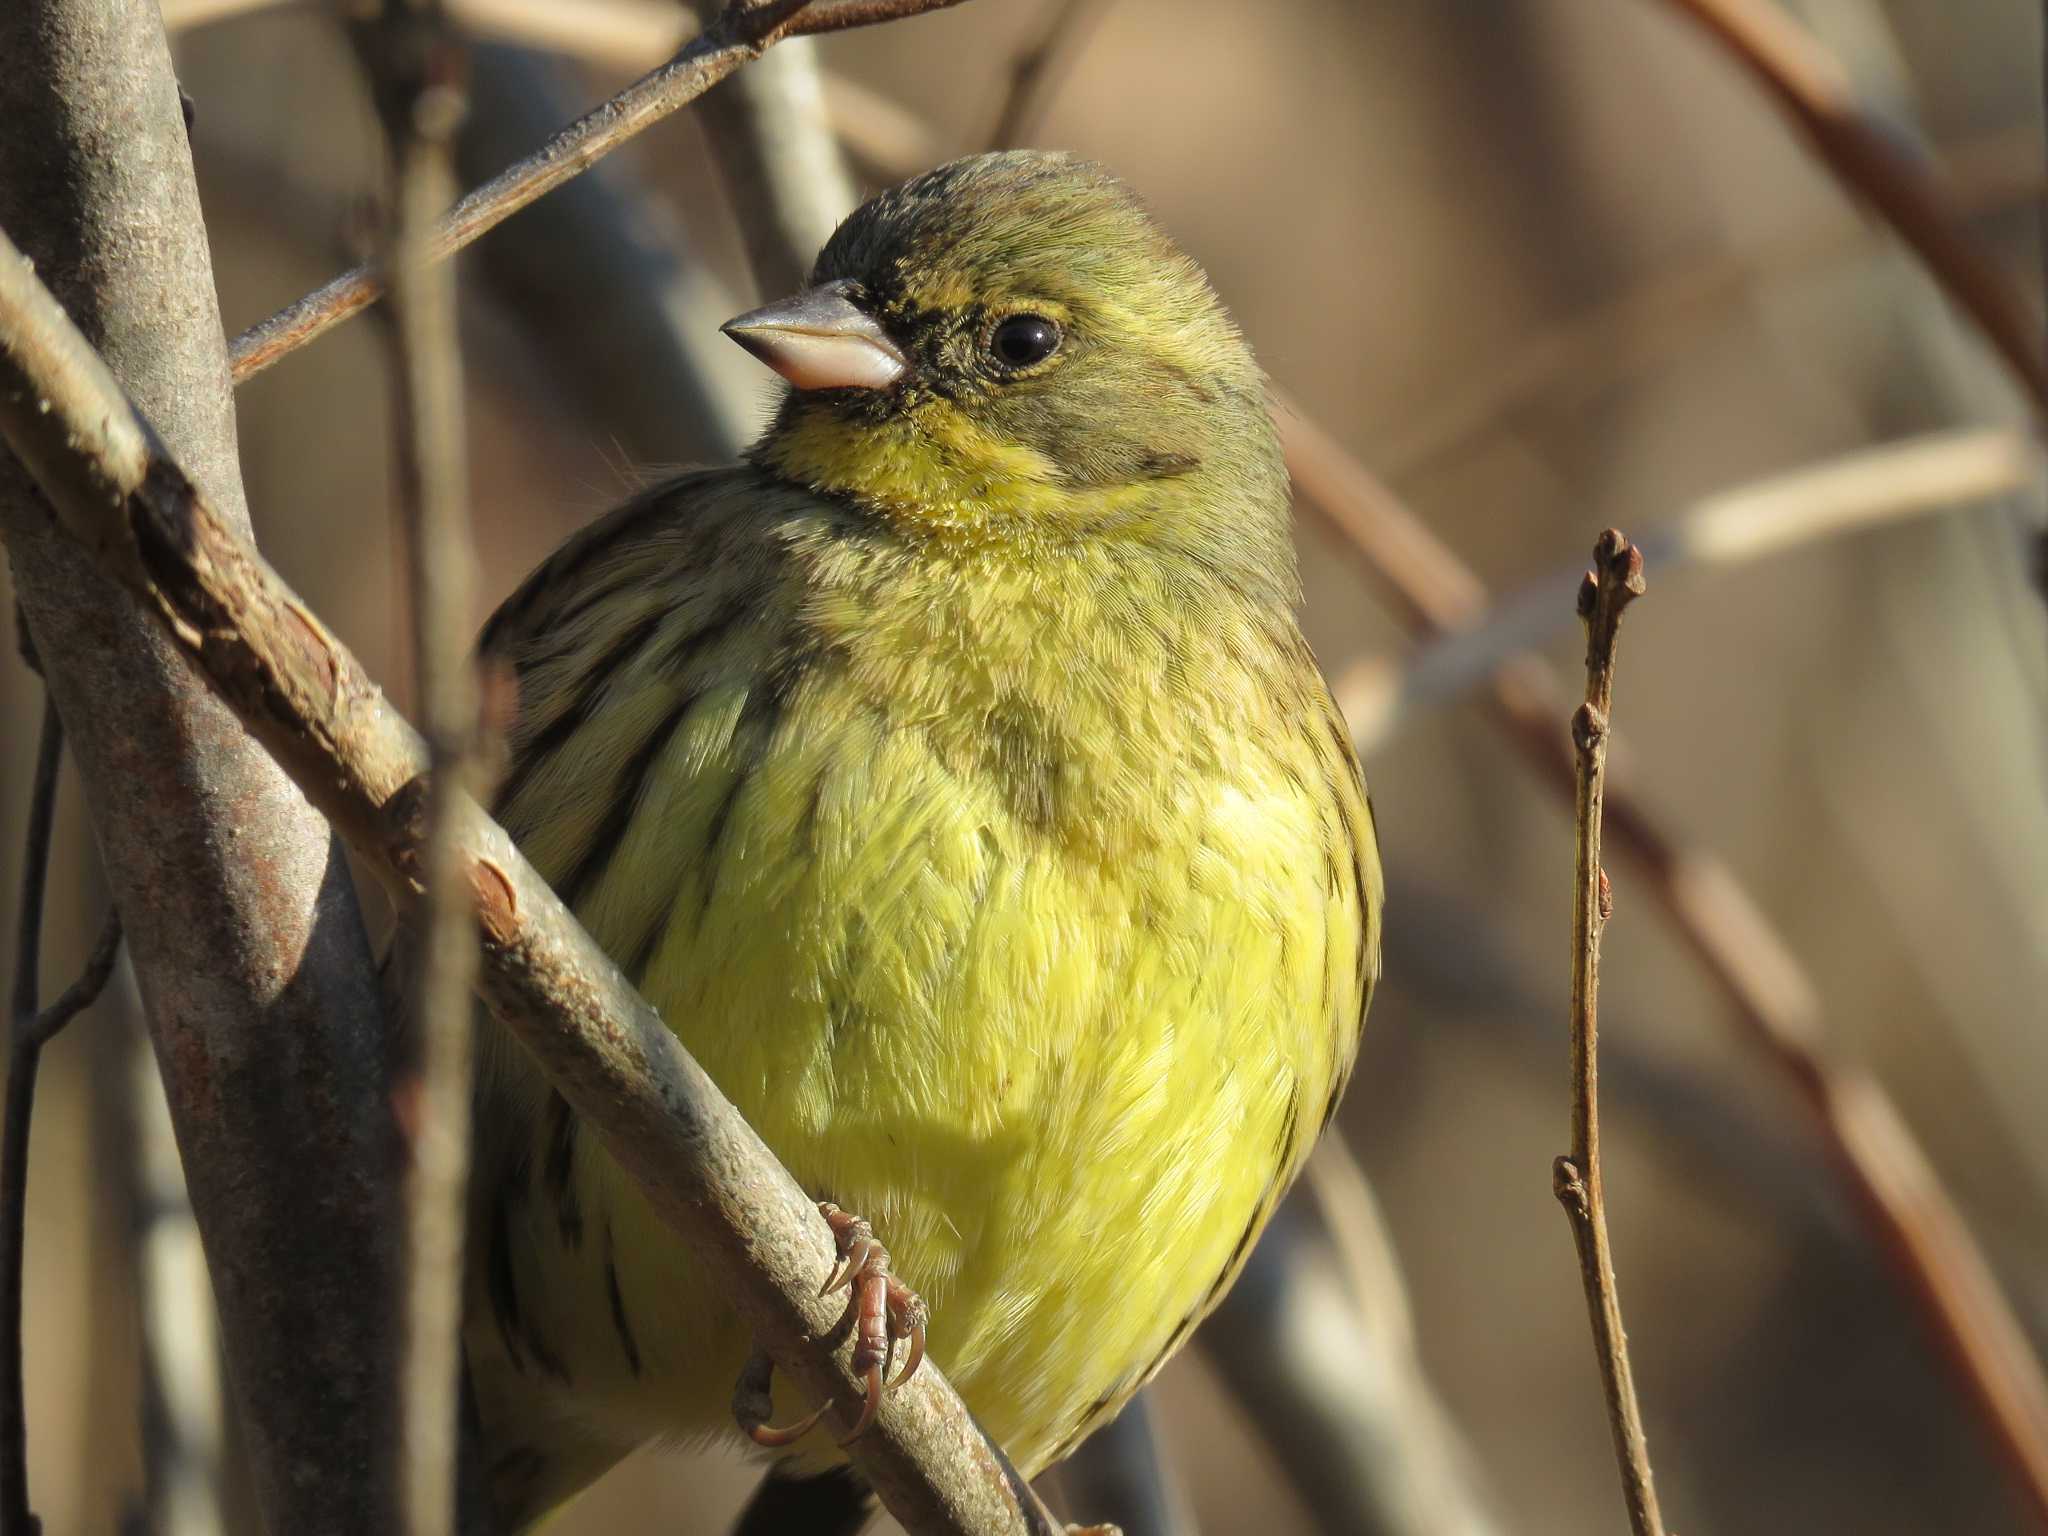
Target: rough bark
[253,961]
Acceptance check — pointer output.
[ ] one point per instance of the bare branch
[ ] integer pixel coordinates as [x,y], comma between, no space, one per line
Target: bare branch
[1813,91]
[235,899]
[30,1028]
[1615,581]
[1865,488]
[741,33]
[1034,75]
[416,67]
[602,278]
[1908,1212]
[308,700]
[780,163]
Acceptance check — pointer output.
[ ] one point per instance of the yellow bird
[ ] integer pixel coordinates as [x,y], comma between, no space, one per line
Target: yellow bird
[953,778]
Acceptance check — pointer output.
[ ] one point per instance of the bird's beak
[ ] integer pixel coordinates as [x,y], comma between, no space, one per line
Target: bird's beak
[820,339]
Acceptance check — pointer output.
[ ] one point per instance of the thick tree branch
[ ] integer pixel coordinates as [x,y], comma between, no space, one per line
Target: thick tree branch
[742,32]
[309,701]
[248,947]
[1615,581]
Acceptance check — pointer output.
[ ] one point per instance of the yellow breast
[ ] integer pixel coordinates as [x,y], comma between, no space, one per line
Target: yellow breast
[1029,910]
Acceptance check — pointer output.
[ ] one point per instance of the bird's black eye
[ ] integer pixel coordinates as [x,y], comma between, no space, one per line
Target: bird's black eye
[1023,340]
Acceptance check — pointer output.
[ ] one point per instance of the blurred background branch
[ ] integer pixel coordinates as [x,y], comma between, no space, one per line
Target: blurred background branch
[31,1025]
[416,66]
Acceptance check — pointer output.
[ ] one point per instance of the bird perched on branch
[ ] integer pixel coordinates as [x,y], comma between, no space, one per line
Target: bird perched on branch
[953,778]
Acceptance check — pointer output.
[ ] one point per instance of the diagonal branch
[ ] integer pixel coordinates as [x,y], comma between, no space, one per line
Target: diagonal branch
[311,704]
[1035,73]
[1615,581]
[1813,91]
[741,32]
[1867,487]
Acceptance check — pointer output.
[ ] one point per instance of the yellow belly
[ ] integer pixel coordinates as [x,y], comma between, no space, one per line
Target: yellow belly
[1066,1087]
[1028,910]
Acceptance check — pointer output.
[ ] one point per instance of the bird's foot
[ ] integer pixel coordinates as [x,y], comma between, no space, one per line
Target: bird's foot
[885,1312]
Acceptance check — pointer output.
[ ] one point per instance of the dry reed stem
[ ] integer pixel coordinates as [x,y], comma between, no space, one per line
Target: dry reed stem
[1867,487]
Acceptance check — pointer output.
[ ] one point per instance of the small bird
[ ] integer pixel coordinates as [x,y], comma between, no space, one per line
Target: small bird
[953,778]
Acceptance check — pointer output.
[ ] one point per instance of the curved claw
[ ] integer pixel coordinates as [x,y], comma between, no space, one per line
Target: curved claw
[869,1406]
[912,1360]
[858,1253]
[773,1435]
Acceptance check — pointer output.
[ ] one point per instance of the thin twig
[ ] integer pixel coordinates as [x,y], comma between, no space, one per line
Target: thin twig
[417,66]
[1615,581]
[886,139]
[1812,89]
[1905,1208]
[1062,28]
[308,700]
[606,283]
[780,163]
[741,33]
[30,1028]
[1865,488]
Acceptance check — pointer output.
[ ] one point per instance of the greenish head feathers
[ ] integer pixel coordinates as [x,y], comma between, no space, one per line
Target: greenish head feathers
[1059,354]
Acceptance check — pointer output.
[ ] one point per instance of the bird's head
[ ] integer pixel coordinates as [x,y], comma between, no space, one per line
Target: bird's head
[1008,350]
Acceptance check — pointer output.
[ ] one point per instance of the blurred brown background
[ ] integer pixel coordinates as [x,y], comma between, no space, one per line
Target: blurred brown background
[1548,265]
